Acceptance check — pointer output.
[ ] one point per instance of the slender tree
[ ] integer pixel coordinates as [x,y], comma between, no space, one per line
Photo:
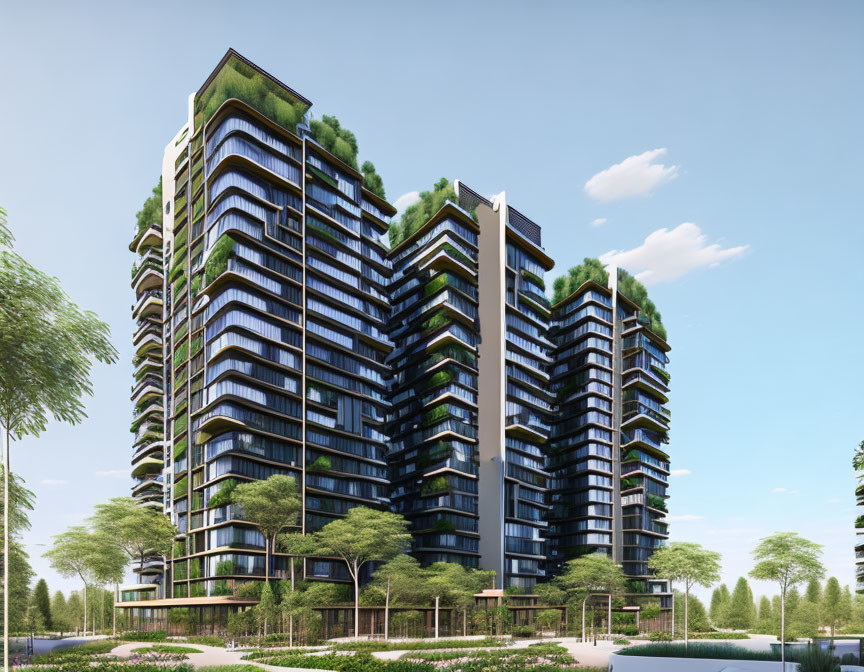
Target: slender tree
[42,601]
[832,604]
[88,556]
[398,579]
[740,614]
[364,535]
[60,613]
[687,562]
[788,560]
[456,586]
[588,575]
[813,594]
[719,606]
[272,504]
[47,345]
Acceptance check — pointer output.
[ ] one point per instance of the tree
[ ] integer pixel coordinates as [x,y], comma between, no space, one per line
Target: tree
[788,560]
[272,504]
[400,578]
[696,614]
[363,535]
[833,604]
[138,531]
[20,574]
[60,613]
[813,594]
[846,611]
[740,611]
[590,574]
[764,619]
[88,556]
[687,562]
[456,586]
[47,345]
[719,609]
[266,610]
[42,601]
[75,610]
[548,619]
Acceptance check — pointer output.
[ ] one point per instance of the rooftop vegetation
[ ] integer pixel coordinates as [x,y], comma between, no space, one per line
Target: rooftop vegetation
[636,292]
[418,214]
[342,144]
[151,211]
[238,80]
[373,180]
[592,269]
[589,269]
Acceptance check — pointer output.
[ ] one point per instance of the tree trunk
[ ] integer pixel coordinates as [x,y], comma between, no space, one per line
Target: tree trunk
[114,609]
[85,608]
[267,559]
[291,616]
[437,599]
[356,575]
[783,628]
[583,619]
[671,590]
[387,612]
[686,612]
[6,439]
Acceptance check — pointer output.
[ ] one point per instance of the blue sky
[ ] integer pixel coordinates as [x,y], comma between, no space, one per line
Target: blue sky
[755,106]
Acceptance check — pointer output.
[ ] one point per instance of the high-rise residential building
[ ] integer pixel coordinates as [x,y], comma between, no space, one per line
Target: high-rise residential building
[607,451]
[470,385]
[277,334]
[274,313]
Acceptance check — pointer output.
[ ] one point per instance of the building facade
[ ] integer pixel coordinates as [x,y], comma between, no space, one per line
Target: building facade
[607,452]
[277,334]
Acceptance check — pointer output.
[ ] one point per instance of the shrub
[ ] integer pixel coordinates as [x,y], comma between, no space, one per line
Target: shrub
[206,640]
[698,650]
[421,645]
[660,636]
[166,648]
[814,659]
[620,641]
[523,631]
[360,662]
[155,636]
[217,262]
[421,212]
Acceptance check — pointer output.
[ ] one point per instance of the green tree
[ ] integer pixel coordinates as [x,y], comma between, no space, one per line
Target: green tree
[75,610]
[372,180]
[60,613]
[138,531]
[740,611]
[588,575]
[697,616]
[589,270]
[764,619]
[833,604]
[42,601]
[88,556]
[719,609]
[456,586]
[47,345]
[846,610]
[272,504]
[813,594]
[417,214]
[364,535]
[20,574]
[266,611]
[788,560]
[687,562]
[401,580]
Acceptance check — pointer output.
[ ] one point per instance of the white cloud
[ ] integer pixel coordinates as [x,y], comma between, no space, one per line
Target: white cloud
[53,481]
[685,518]
[635,176]
[111,473]
[784,491]
[679,472]
[597,223]
[667,255]
[405,201]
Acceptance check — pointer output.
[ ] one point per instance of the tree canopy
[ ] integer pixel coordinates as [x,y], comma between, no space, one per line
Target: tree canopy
[416,215]
[151,211]
[137,530]
[589,269]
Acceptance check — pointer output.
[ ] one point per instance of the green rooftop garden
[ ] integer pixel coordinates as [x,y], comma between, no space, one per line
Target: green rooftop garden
[342,144]
[151,211]
[415,216]
[592,269]
[238,80]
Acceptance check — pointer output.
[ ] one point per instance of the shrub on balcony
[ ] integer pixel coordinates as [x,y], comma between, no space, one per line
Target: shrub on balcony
[859,522]
[340,142]
[636,292]
[195,285]
[151,211]
[180,487]
[536,278]
[180,424]
[442,525]
[196,346]
[439,378]
[457,254]
[181,353]
[631,482]
[180,448]
[656,502]
[436,414]
[432,485]
[225,568]
[322,464]
[437,321]
[436,284]
[217,262]
[372,180]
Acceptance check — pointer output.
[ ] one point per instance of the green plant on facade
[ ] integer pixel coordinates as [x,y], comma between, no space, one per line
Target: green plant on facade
[636,292]
[321,464]
[372,180]
[181,353]
[436,414]
[340,142]
[151,211]
[217,262]
[222,497]
[437,484]
[238,80]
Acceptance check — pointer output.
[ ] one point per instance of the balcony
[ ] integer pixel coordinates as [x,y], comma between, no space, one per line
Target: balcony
[149,305]
[151,343]
[528,425]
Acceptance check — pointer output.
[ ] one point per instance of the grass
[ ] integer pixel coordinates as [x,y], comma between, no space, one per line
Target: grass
[719,635]
[166,648]
[421,645]
[359,662]
[698,650]
[74,652]
[539,649]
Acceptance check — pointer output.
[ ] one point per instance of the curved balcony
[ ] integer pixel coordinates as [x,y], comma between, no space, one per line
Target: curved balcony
[149,304]
[153,449]
[153,483]
[146,465]
[146,327]
[149,386]
[151,343]
[149,237]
